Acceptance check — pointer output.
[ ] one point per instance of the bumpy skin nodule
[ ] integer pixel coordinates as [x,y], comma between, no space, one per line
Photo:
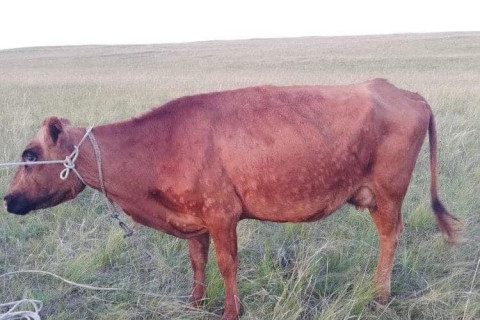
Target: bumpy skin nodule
[196,166]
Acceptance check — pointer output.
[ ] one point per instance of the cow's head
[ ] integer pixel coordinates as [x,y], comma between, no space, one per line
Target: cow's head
[39,186]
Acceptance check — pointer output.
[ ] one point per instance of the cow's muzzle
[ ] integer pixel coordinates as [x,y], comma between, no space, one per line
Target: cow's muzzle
[17,204]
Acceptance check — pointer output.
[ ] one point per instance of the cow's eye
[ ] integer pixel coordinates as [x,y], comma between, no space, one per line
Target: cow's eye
[30,157]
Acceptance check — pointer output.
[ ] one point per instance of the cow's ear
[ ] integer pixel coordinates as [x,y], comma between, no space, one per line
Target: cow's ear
[55,126]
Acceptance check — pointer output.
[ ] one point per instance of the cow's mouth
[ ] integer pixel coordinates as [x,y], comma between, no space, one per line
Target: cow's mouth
[21,205]
[18,204]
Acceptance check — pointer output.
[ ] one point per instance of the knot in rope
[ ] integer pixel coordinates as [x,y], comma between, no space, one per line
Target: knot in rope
[69,163]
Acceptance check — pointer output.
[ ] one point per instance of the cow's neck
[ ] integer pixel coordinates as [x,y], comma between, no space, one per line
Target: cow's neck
[130,157]
[115,147]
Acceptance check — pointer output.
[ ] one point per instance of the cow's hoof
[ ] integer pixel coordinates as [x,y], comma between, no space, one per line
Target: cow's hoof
[232,317]
[378,304]
[197,303]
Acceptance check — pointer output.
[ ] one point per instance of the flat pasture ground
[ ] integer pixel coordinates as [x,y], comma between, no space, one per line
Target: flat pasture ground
[319,270]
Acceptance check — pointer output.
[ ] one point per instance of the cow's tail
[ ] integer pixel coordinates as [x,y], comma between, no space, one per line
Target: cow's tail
[448,223]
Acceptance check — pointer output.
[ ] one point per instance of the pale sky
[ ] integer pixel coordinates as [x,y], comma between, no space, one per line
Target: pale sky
[28,23]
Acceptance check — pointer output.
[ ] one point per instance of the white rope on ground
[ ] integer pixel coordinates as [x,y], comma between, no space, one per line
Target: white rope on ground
[85,286]
[14,314]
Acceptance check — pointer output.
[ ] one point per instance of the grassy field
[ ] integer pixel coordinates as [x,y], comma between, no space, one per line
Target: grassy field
[320,270]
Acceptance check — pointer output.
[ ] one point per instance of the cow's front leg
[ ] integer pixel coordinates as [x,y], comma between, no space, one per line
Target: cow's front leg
[225,241]
[198,249]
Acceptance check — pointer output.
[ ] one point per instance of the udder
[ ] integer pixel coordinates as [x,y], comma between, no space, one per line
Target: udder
[363,198]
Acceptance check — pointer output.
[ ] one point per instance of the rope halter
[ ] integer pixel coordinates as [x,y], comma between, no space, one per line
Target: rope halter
[68,162]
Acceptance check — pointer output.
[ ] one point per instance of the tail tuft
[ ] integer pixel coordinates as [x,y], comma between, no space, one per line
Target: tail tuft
[448,224]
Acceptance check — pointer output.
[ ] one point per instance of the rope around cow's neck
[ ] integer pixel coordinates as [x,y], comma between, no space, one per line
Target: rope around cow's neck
[69,164]
[115,213]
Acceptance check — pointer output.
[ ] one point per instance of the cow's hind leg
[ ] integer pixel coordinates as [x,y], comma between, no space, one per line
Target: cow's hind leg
[198,249]
[391,176]
[391,172]
[388,220]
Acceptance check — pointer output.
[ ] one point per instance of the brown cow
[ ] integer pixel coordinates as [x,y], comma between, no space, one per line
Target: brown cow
[196,166]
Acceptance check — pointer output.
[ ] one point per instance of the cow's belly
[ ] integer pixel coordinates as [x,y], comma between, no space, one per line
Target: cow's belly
[299,188]
[291,166]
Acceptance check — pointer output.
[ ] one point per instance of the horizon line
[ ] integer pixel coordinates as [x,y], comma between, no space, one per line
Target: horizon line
[239,39]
